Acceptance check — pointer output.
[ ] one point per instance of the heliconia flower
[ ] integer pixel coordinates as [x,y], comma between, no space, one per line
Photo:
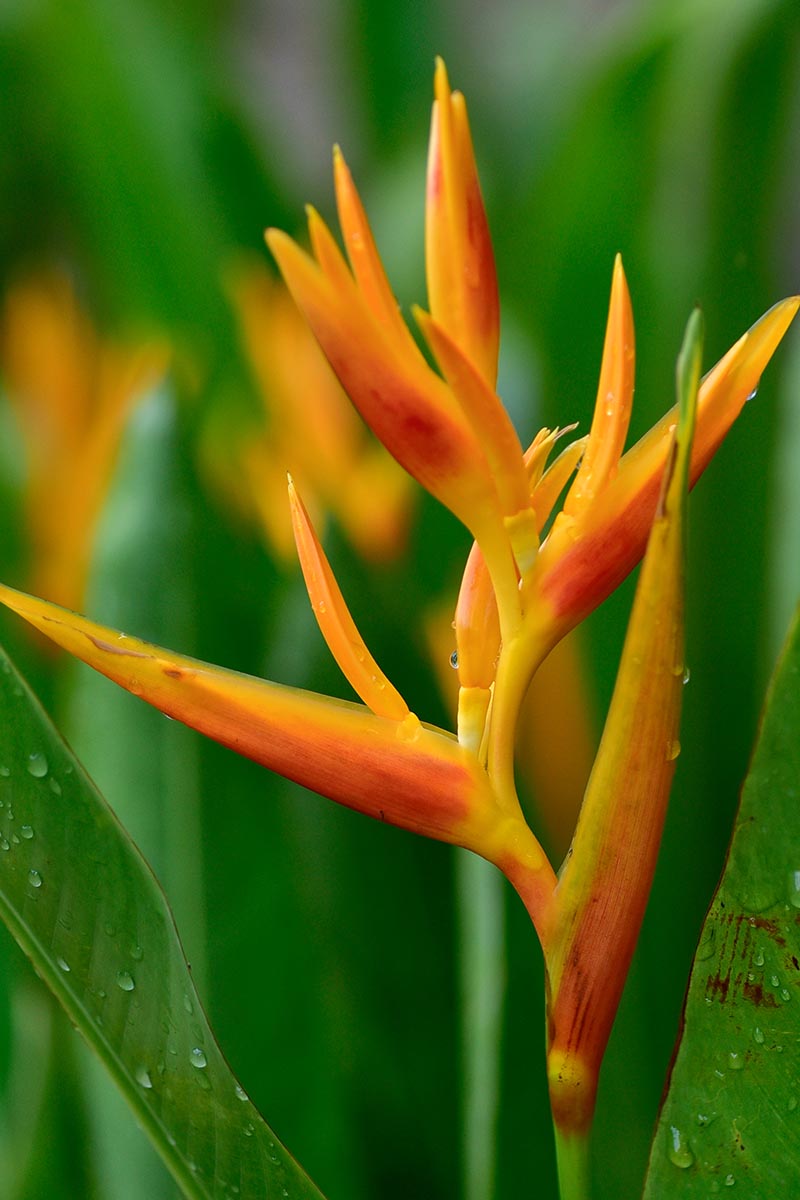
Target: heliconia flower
[529,581]
[339,466]
[72,394]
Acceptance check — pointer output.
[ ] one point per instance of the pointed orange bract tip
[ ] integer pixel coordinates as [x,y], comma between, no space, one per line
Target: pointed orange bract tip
[460,268]
[336,624]
[613,405]
[364,258]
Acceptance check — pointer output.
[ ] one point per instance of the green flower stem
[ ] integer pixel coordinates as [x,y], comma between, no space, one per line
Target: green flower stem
[572,1156]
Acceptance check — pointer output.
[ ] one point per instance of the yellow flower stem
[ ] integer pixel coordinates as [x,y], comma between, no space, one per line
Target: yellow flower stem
[519,658]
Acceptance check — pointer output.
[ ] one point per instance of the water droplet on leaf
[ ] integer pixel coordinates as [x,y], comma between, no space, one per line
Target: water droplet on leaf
[34,878]
[27,831]
[678,1149]
[197,1058]
[126,981]
[37,765]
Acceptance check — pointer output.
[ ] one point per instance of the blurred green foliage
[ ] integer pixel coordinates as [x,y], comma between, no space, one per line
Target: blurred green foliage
[142,146]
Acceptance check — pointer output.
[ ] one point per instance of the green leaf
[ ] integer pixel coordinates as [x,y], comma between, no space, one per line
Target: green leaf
[732,1111]
[88,912]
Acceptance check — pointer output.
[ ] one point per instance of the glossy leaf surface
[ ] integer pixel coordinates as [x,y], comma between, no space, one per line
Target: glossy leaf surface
[732,1113]
[88,912]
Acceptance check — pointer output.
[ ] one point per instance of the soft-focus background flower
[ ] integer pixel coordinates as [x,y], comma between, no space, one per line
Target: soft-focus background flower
[143,149]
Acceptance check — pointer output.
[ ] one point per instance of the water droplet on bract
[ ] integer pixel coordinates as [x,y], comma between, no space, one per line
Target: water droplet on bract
[27,832]
[126,981]
[241,1094]
[197,1058]
[454,660]
[62,962]
[678,1149]
[37,765]
[736,1060]
[758,1035]
[687,675]
[673,750]
[55,787]
[143,1077]
[322,608]
[752,395]
[34,878]
[708,940]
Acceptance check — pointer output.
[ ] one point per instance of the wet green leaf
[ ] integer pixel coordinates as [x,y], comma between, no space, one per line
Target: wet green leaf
[84,906]
[731,1117]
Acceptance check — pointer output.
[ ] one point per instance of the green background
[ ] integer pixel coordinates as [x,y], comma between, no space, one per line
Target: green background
[142,145]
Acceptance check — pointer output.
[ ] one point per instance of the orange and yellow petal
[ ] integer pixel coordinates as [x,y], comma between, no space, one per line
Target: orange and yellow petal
[585,559]
[599,903]
[460,268]
[337,625]
[402,772]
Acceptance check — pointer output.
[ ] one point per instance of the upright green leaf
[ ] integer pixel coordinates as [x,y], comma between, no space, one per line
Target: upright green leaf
[88,912]
[732,1112]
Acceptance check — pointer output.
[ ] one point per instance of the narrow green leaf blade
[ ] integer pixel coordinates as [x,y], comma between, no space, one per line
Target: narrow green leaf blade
[89,913]
[731,1117]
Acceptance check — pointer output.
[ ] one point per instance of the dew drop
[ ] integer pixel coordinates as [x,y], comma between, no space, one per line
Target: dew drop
[4,845]
[736,1061]
[794,889]
[241,1094]
[27,832]
[707,943]
[785,994]
[679,1151]
[15,839]
[249,1130]
[775,981]
[758,1035]
[126,981]
[136,951]
[143,1077]
[62,962]
[37,765]
[673,750]
[55,786]
[197,1058]
[687,675]
[752,395]
[758,959]
[729,1181]
[454,660]
[4,772]
[34,878]
[187,1004]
